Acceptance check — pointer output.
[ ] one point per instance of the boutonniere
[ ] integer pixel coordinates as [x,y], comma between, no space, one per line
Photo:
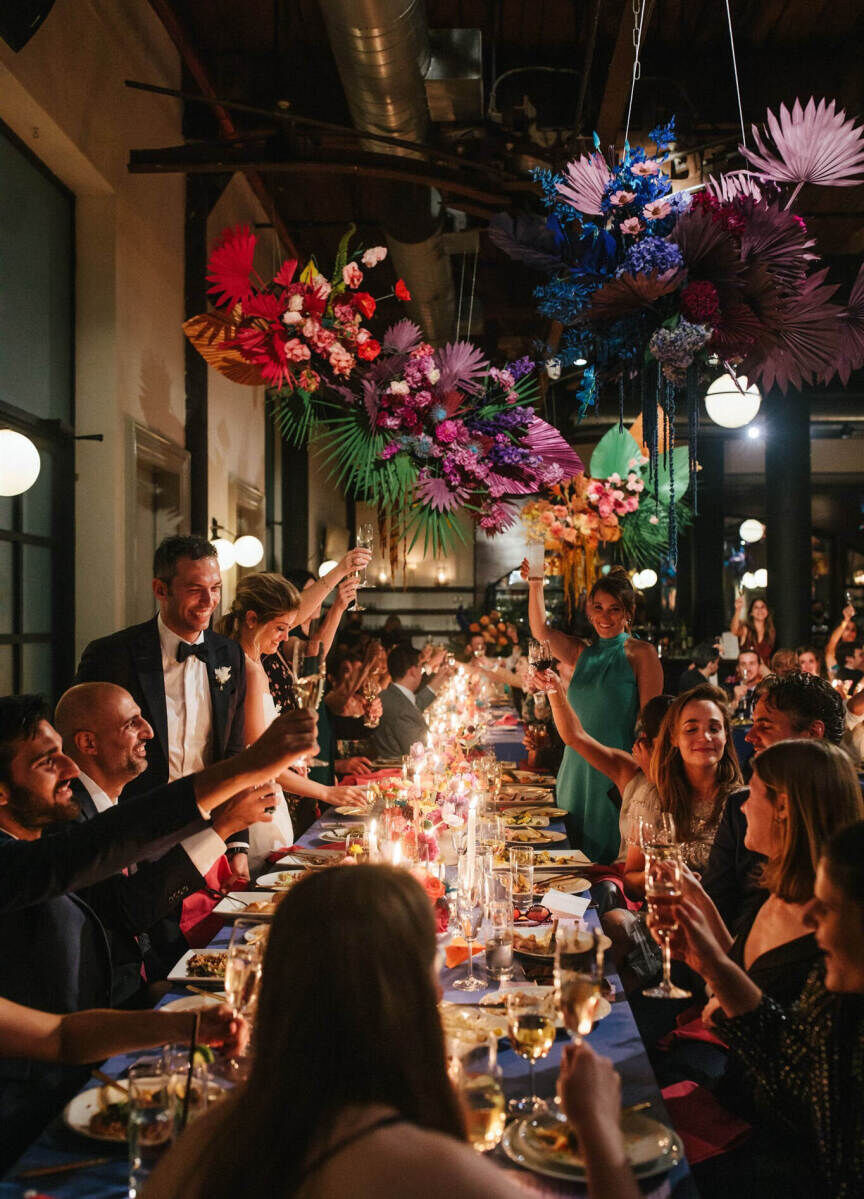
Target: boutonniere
[222,674]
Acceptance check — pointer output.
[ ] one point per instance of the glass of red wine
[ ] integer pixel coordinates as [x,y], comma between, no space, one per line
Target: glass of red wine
[539,661]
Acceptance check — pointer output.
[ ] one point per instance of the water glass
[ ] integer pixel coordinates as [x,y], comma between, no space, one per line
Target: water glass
[578,975]
[476,1074]
[522,874]
[151,1118]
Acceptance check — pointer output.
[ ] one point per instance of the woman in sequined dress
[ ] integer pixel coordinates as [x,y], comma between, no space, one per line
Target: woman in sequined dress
[804,1063]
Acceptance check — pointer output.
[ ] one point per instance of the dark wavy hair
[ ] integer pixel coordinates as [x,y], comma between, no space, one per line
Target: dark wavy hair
[20,716]
[617,585]
[170,550]
[805,698]
[348,1015]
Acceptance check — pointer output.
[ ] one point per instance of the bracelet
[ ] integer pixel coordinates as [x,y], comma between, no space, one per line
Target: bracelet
[535,578]
[230,850]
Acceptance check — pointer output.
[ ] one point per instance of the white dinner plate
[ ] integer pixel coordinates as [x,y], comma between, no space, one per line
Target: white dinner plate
[191,1003]
[247,905]
[180,972]
[280,880]
[78,1112]
[310,859]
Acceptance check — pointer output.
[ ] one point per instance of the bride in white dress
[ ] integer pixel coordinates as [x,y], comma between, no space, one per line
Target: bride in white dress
[265,609]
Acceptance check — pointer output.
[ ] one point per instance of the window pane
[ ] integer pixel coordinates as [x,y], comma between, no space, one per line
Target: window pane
[36,589]
[36,501]
[6,502]
[5,587]
[36,668]
[6,685]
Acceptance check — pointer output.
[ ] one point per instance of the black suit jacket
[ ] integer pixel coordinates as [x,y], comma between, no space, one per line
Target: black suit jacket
[130,905]
[132,659]
[54,951]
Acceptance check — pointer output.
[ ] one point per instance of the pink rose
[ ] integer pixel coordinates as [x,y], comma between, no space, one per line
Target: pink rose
[620,198]
[656,210]
[631,226]
[374,255]
[352,276]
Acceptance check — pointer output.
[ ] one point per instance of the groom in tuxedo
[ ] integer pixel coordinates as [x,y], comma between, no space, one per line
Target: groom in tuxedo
[189,682]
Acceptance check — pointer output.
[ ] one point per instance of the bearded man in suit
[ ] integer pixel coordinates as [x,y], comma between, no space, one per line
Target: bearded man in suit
[189,682]
[403,703]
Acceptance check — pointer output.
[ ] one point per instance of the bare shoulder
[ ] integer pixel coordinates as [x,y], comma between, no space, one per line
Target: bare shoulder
[640,650]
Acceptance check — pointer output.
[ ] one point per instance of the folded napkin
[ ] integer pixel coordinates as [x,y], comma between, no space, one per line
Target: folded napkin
[196,923]
[562,903]
[704,1125]
[457,952]
[360,780]
[509,721]
[690,1030]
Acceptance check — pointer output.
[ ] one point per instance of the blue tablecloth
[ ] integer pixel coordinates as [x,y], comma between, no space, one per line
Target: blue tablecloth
[616,1037]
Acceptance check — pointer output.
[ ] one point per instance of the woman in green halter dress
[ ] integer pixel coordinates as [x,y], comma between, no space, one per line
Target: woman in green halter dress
[613,677]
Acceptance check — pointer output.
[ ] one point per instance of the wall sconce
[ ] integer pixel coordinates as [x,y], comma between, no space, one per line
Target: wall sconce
[19,462]
[243,551]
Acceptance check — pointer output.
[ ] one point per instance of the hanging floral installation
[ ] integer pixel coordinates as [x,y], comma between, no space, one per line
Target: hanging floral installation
[421,434]
[655,287]
[617,506]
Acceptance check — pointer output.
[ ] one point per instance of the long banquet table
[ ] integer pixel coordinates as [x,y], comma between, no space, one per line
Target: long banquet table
[616,1037]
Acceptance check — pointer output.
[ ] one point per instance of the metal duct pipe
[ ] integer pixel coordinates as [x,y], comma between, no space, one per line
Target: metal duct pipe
[382,53]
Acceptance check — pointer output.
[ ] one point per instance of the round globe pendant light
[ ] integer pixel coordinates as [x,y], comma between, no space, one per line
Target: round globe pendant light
[732,403]
[248,550]
[225,555]
[751,530]
[19,462]
[643,579]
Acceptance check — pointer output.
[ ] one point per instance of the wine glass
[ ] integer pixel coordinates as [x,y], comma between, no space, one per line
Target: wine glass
[307,691]
[150,1128]
[242,978]
[662,896]
[477,1075]
[655,831]
[366,539]
[539,660]
[531,1027]
[578,975]
[469,914]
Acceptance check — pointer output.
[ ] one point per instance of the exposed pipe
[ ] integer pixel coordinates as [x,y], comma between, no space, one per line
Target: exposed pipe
[382,53]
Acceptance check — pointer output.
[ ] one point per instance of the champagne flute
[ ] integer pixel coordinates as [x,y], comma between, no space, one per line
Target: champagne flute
[578,975]
[531,1028]
[469,914]
[242,980]
[663,894]
[307,691]
[365,539]
[478,1077]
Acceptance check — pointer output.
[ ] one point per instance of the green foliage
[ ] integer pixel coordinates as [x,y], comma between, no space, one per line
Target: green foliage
[681,462]
[643,543]
[613,453]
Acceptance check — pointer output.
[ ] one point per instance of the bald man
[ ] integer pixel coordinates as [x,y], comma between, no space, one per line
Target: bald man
[106,737]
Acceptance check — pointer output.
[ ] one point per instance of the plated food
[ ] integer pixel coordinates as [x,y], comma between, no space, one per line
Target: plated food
[255,905]
[533,836]
[547,1144]
[311,859]
[206,967]
[470,1022]
[526,819]
[558,858]
[281,880]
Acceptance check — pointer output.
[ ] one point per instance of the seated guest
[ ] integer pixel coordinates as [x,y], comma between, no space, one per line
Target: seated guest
[790,708]
[804,1062]
[383,1120]
[741,688]
[53,948]
[402,705]
[703,668]
[784,661]
[811,660]
[106,737]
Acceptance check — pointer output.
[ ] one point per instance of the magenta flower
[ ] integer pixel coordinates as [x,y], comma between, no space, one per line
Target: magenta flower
[448,431]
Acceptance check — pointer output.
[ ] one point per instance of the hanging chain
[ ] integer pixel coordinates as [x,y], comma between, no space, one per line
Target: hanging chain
[640,7]
[735,73]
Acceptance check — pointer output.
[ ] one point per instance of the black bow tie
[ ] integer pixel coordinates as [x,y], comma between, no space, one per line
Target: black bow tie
[198,650]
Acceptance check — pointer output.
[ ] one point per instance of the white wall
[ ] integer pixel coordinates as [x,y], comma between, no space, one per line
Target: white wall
[63,95]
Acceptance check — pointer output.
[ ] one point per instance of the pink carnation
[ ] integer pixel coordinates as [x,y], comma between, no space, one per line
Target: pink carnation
[447,431]
[340,359]
[310,327]
[604,507]
[297,350]
[352,276]
[374,255]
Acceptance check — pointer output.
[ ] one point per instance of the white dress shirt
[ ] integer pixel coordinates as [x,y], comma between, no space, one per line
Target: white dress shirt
[408,693]
[204,848]
[189,708]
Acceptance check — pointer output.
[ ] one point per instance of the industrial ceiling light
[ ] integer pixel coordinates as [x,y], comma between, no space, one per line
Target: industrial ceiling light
[732,403]
[19,462]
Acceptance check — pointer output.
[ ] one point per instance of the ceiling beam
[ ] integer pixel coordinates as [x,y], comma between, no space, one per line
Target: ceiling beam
[613,106]
[165,12]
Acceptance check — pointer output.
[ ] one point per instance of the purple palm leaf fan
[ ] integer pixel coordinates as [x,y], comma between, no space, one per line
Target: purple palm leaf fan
[808,339]
[548,444]
[708,250]
[438,494]
[732,185]
[778,240]
[584,183]
[852,331]
[525,238]
[460,364]
[629,293]
[402,337]
[370,399]
[816,144]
